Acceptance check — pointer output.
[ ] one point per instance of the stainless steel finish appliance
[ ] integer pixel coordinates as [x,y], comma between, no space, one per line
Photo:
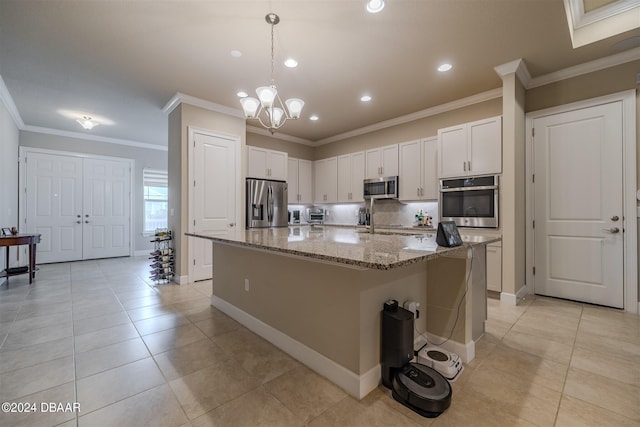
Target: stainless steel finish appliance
[316,216]
[381,188]
[266,203]
[470,202]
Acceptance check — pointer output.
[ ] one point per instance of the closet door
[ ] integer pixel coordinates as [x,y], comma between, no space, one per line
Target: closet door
[106,209]
[54,205]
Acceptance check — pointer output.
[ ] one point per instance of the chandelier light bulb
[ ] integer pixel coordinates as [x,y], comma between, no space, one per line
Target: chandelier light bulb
[276,116]
[267,94]
[250,107]
[294,105]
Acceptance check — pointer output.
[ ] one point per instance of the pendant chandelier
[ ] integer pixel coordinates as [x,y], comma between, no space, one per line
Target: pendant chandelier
[268,108]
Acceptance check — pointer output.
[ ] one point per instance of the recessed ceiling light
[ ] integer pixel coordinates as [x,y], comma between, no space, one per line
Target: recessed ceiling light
[313,117]
[445,67]
[242,94]
[87,122]
[375,6]
[291,63]
[236,53]
[365,98]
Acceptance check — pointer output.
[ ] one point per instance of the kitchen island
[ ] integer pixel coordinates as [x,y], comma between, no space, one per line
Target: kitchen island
[317,292]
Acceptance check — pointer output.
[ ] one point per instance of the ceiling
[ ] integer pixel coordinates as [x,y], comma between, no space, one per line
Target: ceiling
[122,61]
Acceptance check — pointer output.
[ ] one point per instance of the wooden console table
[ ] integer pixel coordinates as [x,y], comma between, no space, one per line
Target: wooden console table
[17,240]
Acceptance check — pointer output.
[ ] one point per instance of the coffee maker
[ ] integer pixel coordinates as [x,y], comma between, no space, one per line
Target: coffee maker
[418,387]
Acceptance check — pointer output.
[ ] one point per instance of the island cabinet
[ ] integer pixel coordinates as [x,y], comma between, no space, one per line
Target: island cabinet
[326,180]
[330,321]
[266,164]
[381,161]
[350,177]
[300,181]
[418,169]
[494,267]
[471,149]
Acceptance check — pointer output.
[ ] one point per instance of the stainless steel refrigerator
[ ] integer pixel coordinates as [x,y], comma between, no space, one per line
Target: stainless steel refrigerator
[266,203]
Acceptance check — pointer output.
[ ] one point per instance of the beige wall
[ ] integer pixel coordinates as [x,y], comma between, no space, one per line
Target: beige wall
[8,174]
[416,129]
[298,151]
[180,119]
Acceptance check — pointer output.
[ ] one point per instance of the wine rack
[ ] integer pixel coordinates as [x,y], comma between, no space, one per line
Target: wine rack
[162,266]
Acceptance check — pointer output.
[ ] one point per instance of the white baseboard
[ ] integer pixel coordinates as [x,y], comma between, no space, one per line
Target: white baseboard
[356,385]
[513,299]
[181,280]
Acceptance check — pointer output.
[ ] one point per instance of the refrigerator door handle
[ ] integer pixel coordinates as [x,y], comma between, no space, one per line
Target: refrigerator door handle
[270,204]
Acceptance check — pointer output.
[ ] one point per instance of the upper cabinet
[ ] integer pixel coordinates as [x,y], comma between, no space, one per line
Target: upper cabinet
[326,180]
[300,175]
[351,177]
[418,169]
[266,164]
[471,149]
[382,161]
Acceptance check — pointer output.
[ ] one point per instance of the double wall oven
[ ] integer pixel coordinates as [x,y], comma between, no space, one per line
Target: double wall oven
[470,201]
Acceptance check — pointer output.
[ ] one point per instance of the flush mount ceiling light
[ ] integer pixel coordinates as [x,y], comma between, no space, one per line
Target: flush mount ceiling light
[268,108]
[87,122]
[375,6]
[365,98]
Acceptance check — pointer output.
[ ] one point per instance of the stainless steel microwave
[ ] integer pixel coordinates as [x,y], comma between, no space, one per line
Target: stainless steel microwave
[470,202]
[381,188]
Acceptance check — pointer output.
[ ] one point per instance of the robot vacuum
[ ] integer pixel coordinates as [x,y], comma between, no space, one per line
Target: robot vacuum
[422,389]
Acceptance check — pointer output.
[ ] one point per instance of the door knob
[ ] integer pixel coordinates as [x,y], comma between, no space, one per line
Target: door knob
[615,218]
[612,230]
[86,222]
[233,224]
[78,222]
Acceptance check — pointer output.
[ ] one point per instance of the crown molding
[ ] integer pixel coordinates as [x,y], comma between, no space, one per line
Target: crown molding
[180,98]
[7,100]
[587,67]
[518,67]
[78,135]
[443,108]
[279,135]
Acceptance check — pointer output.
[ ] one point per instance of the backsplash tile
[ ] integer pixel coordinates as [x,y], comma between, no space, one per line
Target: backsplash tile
[386,212]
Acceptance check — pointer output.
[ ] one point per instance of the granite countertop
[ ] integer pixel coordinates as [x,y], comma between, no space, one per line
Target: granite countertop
[384,250]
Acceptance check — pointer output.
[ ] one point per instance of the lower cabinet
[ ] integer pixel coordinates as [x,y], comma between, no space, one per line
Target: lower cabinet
[494,266]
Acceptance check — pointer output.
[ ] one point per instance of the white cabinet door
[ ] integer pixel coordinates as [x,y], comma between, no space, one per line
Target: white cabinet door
[326,180]
[305,181]
[293,179]
[266,164]
[373,160]
[277,165]
[452,144]
[357,176]
[389,160]
[410,186]
[430,185]
[344,178]
[485,147]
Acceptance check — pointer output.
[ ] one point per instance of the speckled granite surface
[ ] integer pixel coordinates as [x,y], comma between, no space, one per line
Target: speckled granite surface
[384,250]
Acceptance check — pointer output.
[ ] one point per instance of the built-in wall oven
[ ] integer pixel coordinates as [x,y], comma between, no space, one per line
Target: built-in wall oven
[470,202]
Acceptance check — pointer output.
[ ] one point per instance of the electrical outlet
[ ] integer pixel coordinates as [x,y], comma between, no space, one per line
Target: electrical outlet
[246,285]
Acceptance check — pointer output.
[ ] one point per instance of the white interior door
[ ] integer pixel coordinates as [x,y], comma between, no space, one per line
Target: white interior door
[106,208]
[54,205]
[578,205]
[213,196]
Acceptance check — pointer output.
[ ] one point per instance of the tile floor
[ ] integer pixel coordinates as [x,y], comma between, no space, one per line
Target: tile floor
[132,354]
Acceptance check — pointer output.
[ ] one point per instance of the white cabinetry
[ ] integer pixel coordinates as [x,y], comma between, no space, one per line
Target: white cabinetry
[418,169]
[382,161]
[326,180]
[266,164]
[299,180]
[494,267]
[350,177]
[471,148]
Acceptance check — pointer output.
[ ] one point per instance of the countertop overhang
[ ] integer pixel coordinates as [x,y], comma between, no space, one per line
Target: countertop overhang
[383,250]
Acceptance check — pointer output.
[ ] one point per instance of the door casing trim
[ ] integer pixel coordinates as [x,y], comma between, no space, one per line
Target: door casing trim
[630,224]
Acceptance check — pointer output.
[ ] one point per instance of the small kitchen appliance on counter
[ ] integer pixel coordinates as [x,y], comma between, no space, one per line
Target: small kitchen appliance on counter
[316,216]
[294,216]
[418,387]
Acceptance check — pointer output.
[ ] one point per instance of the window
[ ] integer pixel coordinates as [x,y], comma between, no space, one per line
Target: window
[155,199]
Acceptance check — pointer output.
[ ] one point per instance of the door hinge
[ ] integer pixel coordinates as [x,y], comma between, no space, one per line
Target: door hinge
[194,182]
[533,131]
[533,178]
[194,261]
[534,223]
[534,270]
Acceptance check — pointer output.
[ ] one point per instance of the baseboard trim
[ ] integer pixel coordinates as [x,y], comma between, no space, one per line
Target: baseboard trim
[181,280]
[514,299]
[357,386]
